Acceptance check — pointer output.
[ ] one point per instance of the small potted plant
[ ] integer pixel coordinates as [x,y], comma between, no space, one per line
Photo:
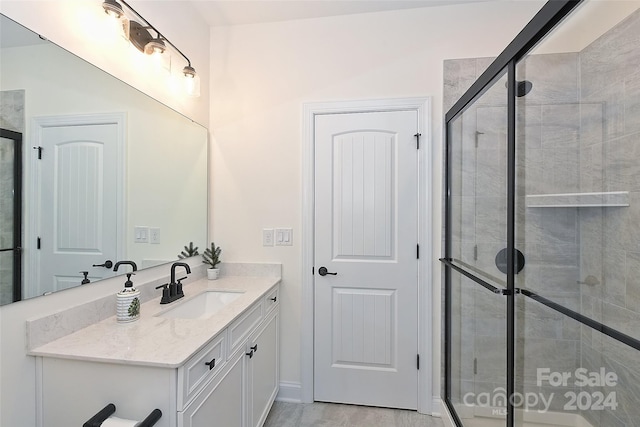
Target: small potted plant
[211,256]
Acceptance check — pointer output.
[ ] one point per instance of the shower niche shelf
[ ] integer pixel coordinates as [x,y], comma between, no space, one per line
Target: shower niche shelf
[578,200]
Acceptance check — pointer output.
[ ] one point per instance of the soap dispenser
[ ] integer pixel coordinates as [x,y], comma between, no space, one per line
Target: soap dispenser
[128,302]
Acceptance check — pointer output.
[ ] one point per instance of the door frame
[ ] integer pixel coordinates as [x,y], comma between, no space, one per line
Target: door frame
[33,211]
[421,105]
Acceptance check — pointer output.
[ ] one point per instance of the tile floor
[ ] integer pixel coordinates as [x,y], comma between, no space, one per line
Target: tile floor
[336,415]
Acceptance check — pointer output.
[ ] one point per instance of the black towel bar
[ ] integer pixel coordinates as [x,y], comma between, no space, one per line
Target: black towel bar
[107,411]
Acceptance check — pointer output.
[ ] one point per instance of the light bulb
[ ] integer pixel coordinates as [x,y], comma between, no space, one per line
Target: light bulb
[192,84]
[155,47]
[113,8]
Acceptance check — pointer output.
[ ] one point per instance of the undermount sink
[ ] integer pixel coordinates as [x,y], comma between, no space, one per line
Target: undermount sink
[201,306]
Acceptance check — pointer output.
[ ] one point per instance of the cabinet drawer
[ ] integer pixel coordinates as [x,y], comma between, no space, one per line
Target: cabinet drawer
[241,328]
[271,300]
[195,373]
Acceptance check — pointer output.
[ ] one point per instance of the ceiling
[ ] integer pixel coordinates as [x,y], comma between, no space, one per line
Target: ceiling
[237,12]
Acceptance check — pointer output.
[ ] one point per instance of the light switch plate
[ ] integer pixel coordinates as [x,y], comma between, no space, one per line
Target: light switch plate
[140,234]
[267,237]
[284,237]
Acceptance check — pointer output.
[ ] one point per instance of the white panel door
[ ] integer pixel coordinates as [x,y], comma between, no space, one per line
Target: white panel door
[366,232]
[78,203]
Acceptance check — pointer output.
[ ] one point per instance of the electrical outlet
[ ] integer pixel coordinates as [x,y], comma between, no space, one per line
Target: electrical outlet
[140,234]
[284,237]
[154,235]
[267,237]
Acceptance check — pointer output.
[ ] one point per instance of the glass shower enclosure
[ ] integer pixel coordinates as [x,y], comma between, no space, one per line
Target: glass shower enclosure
[542,225]
[10,216]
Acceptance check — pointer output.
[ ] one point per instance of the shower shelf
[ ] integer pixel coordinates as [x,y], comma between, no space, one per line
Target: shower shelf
[578,200]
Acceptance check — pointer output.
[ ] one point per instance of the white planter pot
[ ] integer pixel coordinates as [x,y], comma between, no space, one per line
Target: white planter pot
[212,273]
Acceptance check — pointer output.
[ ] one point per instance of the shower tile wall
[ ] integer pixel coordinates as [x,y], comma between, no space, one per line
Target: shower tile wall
[550,237]
[11,118]
[12,110]
[548,163]
[479,341]
[610,237]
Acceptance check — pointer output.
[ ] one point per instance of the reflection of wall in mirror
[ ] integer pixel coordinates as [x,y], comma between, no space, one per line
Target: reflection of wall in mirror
[166,179]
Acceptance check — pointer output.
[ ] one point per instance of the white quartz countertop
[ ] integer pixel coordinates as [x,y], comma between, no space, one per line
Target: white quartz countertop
[158,341]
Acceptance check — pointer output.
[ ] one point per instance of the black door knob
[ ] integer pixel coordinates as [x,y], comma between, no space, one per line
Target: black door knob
[323,272]
[107,264]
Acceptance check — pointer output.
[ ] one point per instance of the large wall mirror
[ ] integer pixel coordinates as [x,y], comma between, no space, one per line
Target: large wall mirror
[92,172]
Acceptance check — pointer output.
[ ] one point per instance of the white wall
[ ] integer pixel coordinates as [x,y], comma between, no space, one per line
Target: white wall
[57,21]
[261,75]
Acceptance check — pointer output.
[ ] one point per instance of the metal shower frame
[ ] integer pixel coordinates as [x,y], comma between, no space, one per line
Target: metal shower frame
[551,14]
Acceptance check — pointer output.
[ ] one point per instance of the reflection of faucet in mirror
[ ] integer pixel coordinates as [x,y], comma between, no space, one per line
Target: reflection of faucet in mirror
[131,263]
[86,278]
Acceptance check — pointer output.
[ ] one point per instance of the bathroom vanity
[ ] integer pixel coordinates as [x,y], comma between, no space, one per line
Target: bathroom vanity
[200,368]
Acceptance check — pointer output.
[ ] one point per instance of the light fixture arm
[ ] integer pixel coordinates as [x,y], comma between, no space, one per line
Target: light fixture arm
[160,36]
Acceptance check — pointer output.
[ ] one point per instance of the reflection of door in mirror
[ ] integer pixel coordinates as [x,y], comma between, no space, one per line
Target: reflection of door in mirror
[77,178]
[10,216]
[163,181]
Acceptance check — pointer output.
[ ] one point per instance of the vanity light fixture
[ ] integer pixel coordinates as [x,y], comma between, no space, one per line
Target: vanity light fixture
[141,37]
[113,8]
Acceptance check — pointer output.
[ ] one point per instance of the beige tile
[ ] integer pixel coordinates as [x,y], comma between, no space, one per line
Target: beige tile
[337,415]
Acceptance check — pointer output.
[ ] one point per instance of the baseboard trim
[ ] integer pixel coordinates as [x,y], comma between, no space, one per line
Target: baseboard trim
[290,392]
[436,406]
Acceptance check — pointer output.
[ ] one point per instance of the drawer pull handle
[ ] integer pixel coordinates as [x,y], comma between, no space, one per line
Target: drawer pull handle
[211,364]
[274,299]
[254,349]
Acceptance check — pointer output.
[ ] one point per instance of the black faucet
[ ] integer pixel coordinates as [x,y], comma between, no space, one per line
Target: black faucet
[173,271]
[172,291]
[131,263]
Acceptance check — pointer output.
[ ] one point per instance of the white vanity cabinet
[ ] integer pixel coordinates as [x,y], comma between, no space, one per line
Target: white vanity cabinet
[263,368]
[242,394]
[231,381]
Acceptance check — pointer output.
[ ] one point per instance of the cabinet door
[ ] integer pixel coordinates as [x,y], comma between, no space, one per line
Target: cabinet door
[220,402]
[263,371]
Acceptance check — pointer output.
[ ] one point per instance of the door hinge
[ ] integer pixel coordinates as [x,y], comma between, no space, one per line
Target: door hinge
[418,135]
[38,243]
[39,152]
[478,137]
[475,366]
[417,251]
[313,271]
[418,361]
[475,252]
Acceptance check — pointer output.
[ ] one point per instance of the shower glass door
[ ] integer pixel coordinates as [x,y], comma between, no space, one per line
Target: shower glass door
[10,215]
[477,342]
[542,235]
[578,221]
